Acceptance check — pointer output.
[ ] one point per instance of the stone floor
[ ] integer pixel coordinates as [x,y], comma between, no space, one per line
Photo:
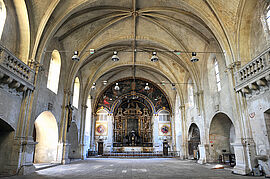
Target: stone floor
[133,168]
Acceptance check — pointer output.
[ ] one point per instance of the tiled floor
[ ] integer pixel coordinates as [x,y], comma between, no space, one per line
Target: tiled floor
[133,168]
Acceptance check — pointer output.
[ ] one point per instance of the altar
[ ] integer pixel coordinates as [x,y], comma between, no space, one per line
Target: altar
[132,149]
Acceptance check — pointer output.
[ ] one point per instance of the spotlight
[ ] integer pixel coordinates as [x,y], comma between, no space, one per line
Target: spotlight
[173,86]
[75,57]
[154,58]
[93,86]
[117,88]
[193,58]
[92,51]
[163,83]
[146,87]
[115,58]
[105,82]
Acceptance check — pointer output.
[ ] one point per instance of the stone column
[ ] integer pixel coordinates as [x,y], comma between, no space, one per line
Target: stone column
[244,147]
[173,147]
[241,158]
[204,153]
[63,127]
[82,132]
[184,145]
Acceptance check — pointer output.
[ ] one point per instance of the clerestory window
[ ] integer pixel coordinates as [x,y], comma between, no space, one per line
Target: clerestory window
[217,75]
[2,16]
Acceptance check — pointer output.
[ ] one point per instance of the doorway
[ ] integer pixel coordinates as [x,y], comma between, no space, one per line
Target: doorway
[193,141]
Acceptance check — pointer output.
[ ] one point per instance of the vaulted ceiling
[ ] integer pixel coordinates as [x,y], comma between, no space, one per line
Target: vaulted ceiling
[135,28]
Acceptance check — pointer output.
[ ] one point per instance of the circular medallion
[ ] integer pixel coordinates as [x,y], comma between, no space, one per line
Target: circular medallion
[164,129]
[100,129]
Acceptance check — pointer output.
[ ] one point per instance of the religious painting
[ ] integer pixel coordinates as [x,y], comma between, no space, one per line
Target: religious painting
[131,86]
[164,129]
[101,129]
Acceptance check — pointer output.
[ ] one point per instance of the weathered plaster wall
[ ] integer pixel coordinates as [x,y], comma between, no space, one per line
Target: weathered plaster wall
[257,105]
[9,111]
[260,33]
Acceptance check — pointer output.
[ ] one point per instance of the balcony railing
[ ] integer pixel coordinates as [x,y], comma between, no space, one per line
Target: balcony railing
[14,72]
[255,70]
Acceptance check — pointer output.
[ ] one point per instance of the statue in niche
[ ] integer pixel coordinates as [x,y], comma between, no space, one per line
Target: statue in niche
[70,112]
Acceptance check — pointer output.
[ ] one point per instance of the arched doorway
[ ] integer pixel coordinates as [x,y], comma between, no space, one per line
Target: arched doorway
[72,137]
[47,137]
[221,136]
[6,138]
[193,141]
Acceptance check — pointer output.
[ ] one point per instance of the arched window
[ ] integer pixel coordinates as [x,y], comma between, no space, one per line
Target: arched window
[54,72]
[76,92]
[102,115]
[217,75]
[164,115]
[88,116]
[2,16]
[190,93]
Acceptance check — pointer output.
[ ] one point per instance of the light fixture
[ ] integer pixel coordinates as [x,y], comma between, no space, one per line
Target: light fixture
[117,88]
[163,83]
[115,58]
[193,58]
[92,51]
[173,86]
[154,58]
[75,57]
[146,87]
[93,86]
[105,82]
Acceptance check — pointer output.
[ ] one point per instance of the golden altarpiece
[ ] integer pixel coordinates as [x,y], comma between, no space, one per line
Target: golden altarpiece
[132,127]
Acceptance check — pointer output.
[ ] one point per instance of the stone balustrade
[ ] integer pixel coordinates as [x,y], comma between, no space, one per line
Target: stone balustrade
[14,72]
[254,74]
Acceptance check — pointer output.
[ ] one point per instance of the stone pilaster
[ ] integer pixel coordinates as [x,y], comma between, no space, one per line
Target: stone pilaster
[204,153]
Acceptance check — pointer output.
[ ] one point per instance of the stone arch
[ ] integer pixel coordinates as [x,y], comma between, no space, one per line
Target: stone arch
[193,141]
[221,135]
[6,140]
[72,137]
[24,29]
[47,138]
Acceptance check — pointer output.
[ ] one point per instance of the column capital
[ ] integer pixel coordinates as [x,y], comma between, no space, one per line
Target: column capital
[84,106]
[233,65]
[182,107]
[67,91]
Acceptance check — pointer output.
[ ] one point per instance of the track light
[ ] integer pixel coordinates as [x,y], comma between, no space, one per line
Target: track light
[115,58]
[193,58]
[173,86]
[146,87]
[105,82]
[93,86]
[117,88]
[75,57]
[154,58]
